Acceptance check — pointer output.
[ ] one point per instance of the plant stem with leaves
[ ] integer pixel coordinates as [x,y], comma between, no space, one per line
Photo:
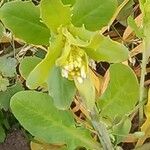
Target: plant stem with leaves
[101,130]
[144,5]
[141,97]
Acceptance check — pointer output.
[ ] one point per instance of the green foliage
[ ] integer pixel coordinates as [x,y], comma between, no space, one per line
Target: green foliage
[103,48]
[44,121]
[27,65]
[87,92]
[68,2]
[6,96]
[61,89]
[120,96]
[1,30]
[121,130]
[69,31]
[2,134]
[58,14]
[133,25]
[93,15]
[23,19]
[8,66]
[125,12]
[39,75]
[4,82]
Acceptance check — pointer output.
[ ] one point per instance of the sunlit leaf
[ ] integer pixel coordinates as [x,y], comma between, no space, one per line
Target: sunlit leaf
[23,19]
[40,73]
[68,2]
[121,94]
[103,48]
[93,14]
[37,114]
[54,13]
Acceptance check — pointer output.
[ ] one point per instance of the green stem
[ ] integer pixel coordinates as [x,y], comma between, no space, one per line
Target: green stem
[143,72]
[101,130]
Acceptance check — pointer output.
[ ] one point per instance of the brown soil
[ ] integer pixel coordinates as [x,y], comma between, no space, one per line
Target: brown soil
[15,141]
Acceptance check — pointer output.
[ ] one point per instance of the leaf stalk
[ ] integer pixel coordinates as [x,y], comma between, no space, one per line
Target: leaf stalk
[101,130]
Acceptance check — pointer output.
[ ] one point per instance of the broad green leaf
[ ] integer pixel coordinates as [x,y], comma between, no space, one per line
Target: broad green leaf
[93,14]
[37,114]
[61,89]
[54,13]
[27,65]
[8,66]
[121,94]
[121,130]
[40,73]
[5,96]
[4,82]
[2,134]
[23,19]
[68,2]
[103,48]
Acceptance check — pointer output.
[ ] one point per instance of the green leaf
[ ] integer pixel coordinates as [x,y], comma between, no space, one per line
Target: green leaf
[23,19]
[121,94]
[138,31]
[81,33]
[87,92]
[125,12]
[93,14]
[40,73]
[121,130]
[2,29]
[37,114]
[2,134]
[4,82]
[8,66]
[5,96]
[27,65]
[103,48]
[54,13]
[68,2]
[61,89]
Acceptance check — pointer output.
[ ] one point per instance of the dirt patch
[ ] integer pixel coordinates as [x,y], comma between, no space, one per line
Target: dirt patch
[15,141]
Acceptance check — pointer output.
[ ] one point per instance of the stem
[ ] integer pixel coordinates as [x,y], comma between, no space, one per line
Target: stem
[102,131]
[143,72]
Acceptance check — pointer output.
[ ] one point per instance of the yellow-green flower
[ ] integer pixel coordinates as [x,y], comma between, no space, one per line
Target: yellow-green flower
[74,63]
